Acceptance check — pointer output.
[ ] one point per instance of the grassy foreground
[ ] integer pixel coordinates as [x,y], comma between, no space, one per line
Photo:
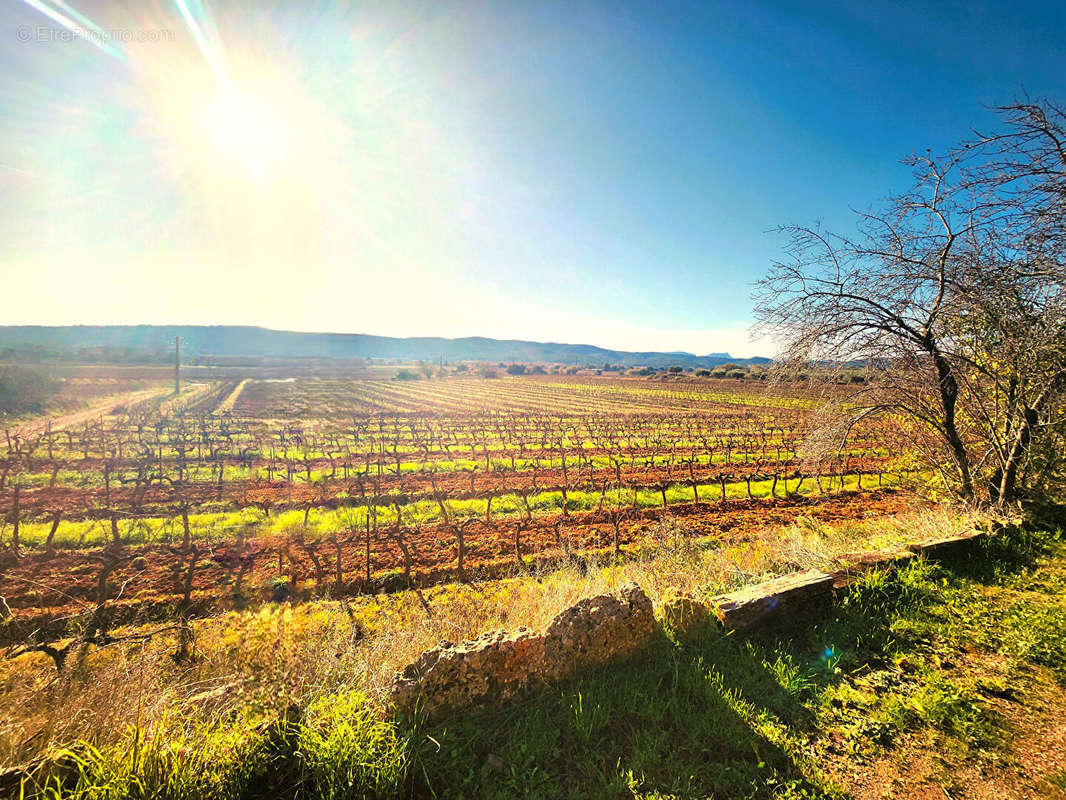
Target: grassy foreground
[940,675]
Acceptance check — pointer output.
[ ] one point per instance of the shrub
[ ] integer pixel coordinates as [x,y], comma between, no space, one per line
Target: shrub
[24,390]
[406,375]
[516,369]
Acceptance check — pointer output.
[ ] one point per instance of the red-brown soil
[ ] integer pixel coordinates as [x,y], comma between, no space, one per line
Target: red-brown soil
[149,580]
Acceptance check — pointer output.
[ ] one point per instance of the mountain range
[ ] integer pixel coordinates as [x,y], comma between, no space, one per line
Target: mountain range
[231,341]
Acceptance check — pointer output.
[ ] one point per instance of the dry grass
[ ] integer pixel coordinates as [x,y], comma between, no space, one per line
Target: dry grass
[252,665]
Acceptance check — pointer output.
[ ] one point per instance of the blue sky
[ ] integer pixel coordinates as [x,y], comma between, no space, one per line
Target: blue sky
[586,172]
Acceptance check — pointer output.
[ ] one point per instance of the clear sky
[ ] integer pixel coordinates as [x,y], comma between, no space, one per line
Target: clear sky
[602,173]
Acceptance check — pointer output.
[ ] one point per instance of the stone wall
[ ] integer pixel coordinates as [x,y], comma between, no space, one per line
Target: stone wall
[499,666]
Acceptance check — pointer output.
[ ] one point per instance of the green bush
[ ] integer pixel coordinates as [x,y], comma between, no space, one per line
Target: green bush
[24,390]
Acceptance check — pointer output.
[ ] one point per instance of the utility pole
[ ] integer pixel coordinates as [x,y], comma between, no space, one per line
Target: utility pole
[177,364]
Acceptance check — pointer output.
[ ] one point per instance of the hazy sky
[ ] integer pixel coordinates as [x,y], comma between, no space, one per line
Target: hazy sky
[566,171]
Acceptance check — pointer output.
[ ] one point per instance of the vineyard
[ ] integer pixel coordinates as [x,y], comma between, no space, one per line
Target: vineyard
[241,491]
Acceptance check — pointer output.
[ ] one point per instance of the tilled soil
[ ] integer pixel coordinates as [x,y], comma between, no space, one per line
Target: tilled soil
[40,590]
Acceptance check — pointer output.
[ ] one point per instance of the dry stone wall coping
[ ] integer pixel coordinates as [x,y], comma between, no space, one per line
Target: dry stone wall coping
[753,604]
[947,547]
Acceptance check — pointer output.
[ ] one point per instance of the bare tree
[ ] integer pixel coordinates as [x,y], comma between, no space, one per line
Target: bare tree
[953,297]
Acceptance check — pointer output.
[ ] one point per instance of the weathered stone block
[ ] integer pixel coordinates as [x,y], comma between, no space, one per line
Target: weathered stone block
[469,673]
[947,547]
[767,601]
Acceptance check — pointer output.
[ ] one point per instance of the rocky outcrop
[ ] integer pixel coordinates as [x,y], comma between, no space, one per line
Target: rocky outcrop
[597,630]
[496,665]
[499,665]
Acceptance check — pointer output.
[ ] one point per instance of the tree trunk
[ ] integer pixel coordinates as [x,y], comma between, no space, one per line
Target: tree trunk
[461,552]
[1004,494]
[949,396]
[405,551]
[338,576]
[368,569]
[519,527]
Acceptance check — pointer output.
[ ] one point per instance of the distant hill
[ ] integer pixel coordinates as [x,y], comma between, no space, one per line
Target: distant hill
[234,341]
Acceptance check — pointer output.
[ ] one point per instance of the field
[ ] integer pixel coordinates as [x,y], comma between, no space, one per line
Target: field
[242,491]
[209,593]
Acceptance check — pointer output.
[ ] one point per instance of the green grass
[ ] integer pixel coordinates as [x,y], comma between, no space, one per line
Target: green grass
[720,716]
[673,724]
[220,761]
[343,744]
[711,715]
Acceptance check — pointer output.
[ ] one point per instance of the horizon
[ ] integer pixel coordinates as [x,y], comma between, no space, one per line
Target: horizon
[703,354]
[606,176]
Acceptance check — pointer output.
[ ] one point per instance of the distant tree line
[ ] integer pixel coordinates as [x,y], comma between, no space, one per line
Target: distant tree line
[37,354]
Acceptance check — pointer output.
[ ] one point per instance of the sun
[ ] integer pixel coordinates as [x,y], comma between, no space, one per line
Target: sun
[247,129]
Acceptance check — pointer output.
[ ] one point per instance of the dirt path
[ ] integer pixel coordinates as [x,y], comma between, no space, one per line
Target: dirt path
[985,717]
[231,400]
[79,417]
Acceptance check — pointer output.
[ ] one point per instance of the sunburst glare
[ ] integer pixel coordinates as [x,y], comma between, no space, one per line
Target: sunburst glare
[247,129]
